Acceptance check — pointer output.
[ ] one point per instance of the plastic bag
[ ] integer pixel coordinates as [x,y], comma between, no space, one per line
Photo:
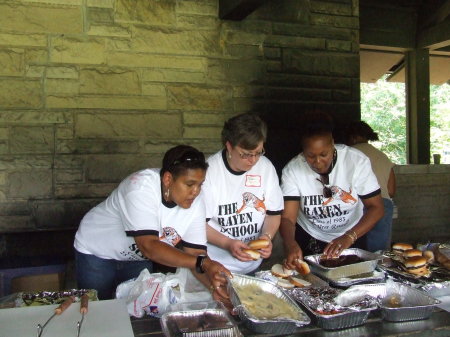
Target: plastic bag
[152,294]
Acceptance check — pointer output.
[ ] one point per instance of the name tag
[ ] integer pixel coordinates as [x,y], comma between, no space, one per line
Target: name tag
[252,181]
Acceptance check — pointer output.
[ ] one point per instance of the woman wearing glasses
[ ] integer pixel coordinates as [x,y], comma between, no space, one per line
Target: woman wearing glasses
[325,189]
[143,219]
[242,194]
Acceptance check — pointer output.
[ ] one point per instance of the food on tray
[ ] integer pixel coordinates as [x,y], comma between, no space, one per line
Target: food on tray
[202,322]
[442,256]
[258,244]
[400,247]
[54,297]
[285,283]
[298,282]
[340,261]
[264,305]
[279,271]
[302,267]
[254,254]
[429,255]
[393,301]
[416,265]
[411,253]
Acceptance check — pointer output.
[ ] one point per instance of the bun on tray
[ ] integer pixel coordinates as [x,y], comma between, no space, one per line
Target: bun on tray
[416,265]
[285,283]
[302,267]
[258,244]
[279,271]
[411,253]
[400,247]
[429,255]
[254,254]
[298,282]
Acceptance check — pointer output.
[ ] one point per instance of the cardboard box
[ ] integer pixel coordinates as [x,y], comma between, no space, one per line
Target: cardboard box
[35,283]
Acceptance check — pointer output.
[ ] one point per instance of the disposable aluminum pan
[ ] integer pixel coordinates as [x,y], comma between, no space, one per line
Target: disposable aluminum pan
[414,304]
[199,323]
[373,277]
[368,264]
[343,320]
[260,325]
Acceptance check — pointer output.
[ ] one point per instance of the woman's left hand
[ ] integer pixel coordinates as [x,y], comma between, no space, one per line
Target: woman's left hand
[267,251]
[217,275]
[336,246]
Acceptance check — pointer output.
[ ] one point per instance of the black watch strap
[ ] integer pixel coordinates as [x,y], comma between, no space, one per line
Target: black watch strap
[199,264]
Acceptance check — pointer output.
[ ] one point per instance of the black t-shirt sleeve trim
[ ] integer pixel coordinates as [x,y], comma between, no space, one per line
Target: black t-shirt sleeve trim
[193,245]
[207,219]
[291,198]
[142,232]
[370,195]
[273,212]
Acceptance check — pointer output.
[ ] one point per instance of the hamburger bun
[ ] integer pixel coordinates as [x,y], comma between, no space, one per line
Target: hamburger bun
[302,267]
[258,244]
[429,255]
[254,254]
[285,283]
[279,271]
[298,282]
[411,253]
[416,265]
[400,247]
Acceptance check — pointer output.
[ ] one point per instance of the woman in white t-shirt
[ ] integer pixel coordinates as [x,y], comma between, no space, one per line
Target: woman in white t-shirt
[242,194]
[325,189]
[144,219]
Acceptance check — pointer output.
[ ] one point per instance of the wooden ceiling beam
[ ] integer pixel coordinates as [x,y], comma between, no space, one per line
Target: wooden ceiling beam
[238,9]
[435,37]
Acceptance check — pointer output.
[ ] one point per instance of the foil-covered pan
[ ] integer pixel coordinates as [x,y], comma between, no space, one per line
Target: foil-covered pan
[372,277]
[367,264]
[24,299]
[326,314]
[271,302]
[204,321]
[401,302]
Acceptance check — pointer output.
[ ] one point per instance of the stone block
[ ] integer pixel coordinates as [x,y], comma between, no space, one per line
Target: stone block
[109,30]
[64,132]
[100,15]
[280,28]
[40,19]
[332,8]
[308,81]
[68,176]
[30,184]
[198,7]
[236,71]
[206,132]
[62,72]
[17,93]
[342,95]
[198,22]
[176,42]
[36,139]
[293,94]
[244,38]
[29,162]
[109,81]
[4,148]
[66,191]
[211,119]
[16,208]
[15,223]
[156,125]
[106,102]
[339,45]
[4,133]
[295,42]
[103,168]
[77,50]
[23,40]
[12,62]
[249,91]
[100,3]
[173,75]
[35,56]
[62,86]
[3,178]
[35,71]
[146,12]
[152,89]
[131,60]
[35,117]
[69,162]
[244,51]
[272,52]
[198,98]
[97,146]
[335,21]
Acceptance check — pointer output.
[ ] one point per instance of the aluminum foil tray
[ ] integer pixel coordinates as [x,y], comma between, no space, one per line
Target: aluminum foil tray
[199,323]
[342,320]
[368,264]
[373,277]
[274,325]
[415,305]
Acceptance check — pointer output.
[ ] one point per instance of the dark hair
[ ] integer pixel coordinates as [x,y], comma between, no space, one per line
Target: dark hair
[180,158]
[360,128]
[244,130]
[316,124]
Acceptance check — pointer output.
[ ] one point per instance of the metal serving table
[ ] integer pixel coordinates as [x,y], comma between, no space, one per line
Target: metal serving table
[438,325]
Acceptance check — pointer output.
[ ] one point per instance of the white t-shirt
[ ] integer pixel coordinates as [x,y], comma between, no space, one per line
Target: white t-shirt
[137,208]
[237,203]
[350,180]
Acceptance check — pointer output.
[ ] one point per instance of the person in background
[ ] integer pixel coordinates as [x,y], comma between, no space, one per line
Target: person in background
[242,194]
[359,134]
[325,189]
[142,220]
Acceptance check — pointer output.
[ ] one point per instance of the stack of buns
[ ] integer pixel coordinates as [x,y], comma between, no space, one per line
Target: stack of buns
[288,278]
[414,261]
[255,245]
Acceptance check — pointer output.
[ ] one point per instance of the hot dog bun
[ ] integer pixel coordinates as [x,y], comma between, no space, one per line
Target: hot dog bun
[302,267]
[254,254]
[258,244]
[298,282]
[279,271]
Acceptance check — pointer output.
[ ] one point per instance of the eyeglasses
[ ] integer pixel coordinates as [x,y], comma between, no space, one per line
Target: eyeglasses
[325,180]
[190,156]
[251,155]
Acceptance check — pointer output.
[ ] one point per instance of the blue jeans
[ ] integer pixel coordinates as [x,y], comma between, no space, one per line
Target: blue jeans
[105,275]
[379,237]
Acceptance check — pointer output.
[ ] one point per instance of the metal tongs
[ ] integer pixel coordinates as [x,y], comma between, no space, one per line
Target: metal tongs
[58,311]
[83,310]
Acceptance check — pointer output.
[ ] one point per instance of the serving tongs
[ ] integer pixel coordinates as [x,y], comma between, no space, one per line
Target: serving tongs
[58,311]
[83,310]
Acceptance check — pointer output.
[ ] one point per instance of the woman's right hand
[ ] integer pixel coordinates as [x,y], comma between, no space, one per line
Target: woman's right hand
[293,253]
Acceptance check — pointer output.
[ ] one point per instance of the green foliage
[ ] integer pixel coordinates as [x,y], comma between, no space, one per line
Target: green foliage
[383,108]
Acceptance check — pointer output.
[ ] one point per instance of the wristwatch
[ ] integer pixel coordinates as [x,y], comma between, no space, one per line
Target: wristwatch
[199,264]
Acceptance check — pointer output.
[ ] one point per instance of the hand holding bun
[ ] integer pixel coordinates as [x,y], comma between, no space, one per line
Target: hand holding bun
[259,244]
[302,267]
[254,254]
[279,271]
